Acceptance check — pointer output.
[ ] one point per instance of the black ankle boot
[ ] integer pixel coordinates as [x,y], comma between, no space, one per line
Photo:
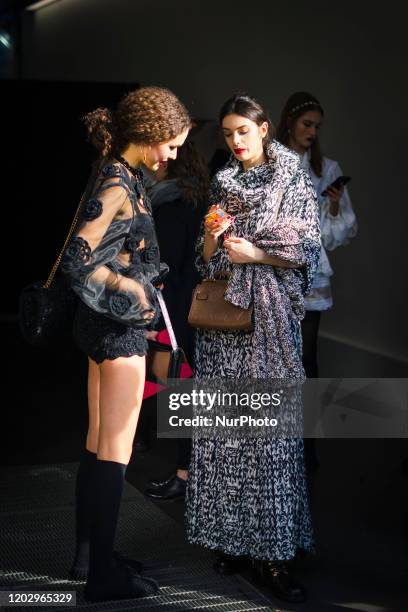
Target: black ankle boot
[226,565]
[108,578]
[276,576]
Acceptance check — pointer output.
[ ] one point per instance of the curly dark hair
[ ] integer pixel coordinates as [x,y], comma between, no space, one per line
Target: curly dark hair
[191,174]
[149,115]
[297,105]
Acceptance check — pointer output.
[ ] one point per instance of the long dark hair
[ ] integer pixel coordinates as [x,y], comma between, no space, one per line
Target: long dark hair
[297,105]
[246,106]
[191,174]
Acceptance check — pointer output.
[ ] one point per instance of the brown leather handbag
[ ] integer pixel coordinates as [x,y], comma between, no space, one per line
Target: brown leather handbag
[210,310]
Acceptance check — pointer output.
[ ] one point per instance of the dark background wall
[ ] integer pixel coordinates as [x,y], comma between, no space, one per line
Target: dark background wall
[78,55]
[350,55]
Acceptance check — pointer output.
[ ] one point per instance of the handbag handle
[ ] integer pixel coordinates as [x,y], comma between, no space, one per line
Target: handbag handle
[167,321]
[88,189]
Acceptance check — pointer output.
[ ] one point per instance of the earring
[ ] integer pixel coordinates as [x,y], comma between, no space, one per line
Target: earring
[143,154]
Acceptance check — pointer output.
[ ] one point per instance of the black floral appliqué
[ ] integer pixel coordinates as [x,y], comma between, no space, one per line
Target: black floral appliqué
[77,253]
[92,209]
[119,304]
[111,171]
[132,242]
[150,254]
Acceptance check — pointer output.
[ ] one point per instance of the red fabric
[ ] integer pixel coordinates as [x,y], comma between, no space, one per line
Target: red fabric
[151,388]
[163,337]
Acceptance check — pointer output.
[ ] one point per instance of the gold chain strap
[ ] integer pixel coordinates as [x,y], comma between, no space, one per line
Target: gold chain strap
[51,276]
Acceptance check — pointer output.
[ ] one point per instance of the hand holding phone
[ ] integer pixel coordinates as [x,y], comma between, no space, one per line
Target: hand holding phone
[337,184]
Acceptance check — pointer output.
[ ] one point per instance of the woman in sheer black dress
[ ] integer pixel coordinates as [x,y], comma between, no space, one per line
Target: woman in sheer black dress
[113,264]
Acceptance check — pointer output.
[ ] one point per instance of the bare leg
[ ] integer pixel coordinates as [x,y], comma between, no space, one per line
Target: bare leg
[121,392]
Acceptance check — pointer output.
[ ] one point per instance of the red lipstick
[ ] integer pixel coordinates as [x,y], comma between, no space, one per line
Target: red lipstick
[239,151]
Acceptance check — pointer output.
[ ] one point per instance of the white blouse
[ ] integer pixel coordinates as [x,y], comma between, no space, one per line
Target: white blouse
[335,230]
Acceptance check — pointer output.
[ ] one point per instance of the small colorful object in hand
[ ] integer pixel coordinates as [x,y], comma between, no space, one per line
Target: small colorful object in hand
[215,215]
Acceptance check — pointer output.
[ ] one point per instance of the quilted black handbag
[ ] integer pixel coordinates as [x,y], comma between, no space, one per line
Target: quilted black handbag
[46,313]
[47,309]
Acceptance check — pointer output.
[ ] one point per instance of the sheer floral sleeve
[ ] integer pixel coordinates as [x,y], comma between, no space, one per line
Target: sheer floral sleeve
[96,260]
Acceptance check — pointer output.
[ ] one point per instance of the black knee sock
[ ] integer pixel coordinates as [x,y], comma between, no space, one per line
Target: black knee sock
[107,492]
[84,485]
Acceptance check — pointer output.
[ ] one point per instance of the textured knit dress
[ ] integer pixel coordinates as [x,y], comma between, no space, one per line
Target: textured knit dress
[248,496]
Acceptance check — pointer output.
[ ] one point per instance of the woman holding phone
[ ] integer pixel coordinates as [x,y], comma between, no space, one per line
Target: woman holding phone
[113,264]
[247,498]
[298,129]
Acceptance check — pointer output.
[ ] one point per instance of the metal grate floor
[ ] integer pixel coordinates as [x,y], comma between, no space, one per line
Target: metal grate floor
[37,542]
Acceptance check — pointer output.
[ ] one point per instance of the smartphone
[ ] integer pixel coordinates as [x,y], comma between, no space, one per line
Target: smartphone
[339,182]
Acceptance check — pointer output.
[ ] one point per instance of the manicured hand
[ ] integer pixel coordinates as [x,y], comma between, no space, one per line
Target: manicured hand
[241,250]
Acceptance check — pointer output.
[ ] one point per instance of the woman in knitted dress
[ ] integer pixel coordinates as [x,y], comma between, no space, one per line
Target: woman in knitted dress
[248,497]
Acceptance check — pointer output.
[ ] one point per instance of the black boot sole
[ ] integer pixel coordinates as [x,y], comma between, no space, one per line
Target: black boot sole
[277,594]
[165,499]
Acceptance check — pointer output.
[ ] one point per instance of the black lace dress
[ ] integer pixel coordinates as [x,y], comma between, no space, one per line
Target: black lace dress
[111,262]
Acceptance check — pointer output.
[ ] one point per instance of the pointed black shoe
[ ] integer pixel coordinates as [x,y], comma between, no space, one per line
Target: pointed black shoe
[226,565]
[120,583]
[173,489]
[276,576]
